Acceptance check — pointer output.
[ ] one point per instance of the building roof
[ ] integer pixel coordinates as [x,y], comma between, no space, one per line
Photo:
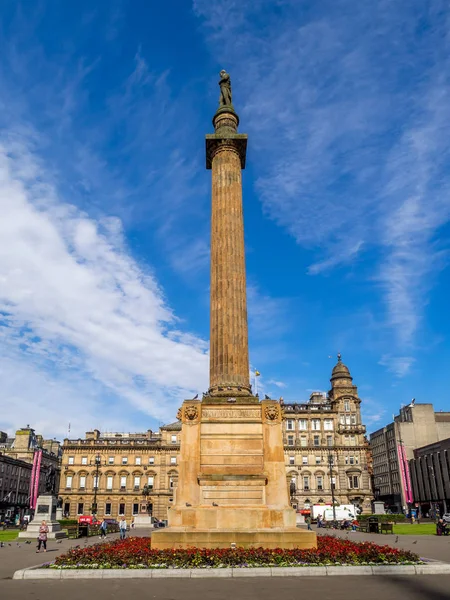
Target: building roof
[172,426]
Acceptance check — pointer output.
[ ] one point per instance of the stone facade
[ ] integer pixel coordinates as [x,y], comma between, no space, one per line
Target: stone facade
[127,462]
[16,462]
[328,426]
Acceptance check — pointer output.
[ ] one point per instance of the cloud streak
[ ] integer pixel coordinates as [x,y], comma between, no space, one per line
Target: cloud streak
[348,129]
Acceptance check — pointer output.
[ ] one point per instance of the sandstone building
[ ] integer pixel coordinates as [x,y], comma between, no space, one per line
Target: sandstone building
[325,447]
[16,464]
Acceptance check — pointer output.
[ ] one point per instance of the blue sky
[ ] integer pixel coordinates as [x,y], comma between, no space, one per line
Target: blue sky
[105,202]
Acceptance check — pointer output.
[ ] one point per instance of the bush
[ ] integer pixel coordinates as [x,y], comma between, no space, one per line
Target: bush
[136,553]
[384,518]
[67,522]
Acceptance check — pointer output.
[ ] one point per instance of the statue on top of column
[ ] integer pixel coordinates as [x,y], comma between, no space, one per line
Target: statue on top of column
[225,89]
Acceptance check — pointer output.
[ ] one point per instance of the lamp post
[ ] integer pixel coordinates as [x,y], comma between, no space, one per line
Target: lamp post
[97,462]
[330,464]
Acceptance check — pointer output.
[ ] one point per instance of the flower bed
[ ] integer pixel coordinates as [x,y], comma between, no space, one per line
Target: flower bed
[136,553]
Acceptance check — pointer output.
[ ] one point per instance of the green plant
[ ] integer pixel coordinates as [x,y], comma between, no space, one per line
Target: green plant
[67,522]
[383,518]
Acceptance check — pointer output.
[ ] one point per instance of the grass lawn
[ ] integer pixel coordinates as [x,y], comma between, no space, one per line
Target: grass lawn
[422,529]
[8,535]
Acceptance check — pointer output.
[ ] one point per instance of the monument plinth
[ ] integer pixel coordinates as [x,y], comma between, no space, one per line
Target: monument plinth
[232,486]
[45,511]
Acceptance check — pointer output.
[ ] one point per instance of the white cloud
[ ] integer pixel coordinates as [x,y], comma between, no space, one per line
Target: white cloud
[399,365]
[279,384]
[72,297]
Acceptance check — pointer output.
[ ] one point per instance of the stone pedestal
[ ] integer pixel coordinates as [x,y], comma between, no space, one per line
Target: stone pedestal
[232,484]
[378,508]
[141,521]
[45,511]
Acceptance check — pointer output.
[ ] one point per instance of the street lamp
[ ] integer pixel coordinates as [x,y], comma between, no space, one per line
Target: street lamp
[97,462]
[330,464]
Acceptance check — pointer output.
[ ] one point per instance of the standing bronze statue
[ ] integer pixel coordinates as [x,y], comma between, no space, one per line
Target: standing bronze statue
[225,89]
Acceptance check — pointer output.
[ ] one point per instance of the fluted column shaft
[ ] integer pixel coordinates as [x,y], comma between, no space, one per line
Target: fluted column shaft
[229,366]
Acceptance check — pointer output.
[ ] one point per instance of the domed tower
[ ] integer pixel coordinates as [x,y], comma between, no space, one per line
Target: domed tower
[341,382]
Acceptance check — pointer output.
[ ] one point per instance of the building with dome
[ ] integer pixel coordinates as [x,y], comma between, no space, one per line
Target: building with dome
[326,450]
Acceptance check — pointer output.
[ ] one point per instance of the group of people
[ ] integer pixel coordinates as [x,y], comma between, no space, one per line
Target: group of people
[344,524]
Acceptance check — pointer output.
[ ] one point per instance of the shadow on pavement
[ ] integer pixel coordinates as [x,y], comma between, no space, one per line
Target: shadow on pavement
[418,587]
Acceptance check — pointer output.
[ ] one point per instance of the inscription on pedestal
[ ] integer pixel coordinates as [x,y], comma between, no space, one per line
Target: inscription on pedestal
[244,413]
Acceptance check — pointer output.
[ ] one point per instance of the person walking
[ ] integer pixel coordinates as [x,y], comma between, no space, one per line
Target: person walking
[42,537]
[103,529]
[123,528]
[308,522]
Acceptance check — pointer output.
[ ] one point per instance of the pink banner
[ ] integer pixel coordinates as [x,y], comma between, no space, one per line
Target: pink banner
[33,473]
[37,475]
[404,470]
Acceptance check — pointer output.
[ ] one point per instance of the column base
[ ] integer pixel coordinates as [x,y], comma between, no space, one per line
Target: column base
[287,538]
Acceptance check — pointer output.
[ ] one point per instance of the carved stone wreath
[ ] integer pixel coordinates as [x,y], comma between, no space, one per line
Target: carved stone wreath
[179,414]
[271,413]
[191,413]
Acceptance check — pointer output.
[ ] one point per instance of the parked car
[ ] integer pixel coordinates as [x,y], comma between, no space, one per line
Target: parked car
[88,520]
[446,517]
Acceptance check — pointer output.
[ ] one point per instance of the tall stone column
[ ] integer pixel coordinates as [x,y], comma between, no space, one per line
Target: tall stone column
[225,155]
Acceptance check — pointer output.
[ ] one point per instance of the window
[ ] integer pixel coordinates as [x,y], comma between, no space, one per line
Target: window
[174,439]
[316,424]
[306,483]
[71,460]
[304,460]
[347,419]
[347,405]
[150,481]
[108,508]
[353,482]
[292,460]
[69,482]
[329,440]
[318,460]
[290,424]
[111,460]
[109,482]
[342,419]
[80,508]
[319,480]
[123,482]
[137,482]
[290,440]
[316,440]
[151,460]
[84,460]
[66,509]
[173,460]
[353,419]
[135,508]
[82,482]
[138,460]
[122,508]
[95,484]
[124,460]
[352,440]
[328,424]
[333,483]
[303,441]
[303,424]
[171,482]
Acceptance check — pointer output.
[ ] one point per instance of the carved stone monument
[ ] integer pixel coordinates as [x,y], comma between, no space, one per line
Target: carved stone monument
[45,511]
[232,486]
